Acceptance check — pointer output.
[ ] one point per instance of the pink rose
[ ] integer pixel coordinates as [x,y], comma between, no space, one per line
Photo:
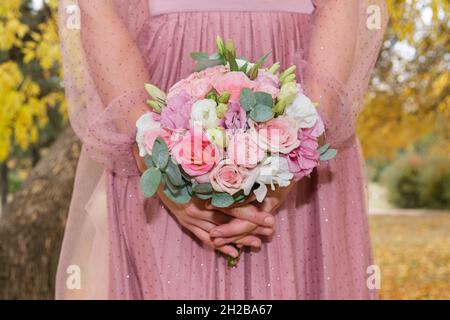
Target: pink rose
[267,82]
[170,138]
[305,158]
[227,177]
[236,117]
[211,73]
[177,112]
[151,135]
[233,82]
[278,135]
[198,84]
[244,151]
[195,153]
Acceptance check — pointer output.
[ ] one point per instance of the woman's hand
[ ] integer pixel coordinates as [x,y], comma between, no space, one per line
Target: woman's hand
[195,217]
[248,219]
[234,230]
[275,199]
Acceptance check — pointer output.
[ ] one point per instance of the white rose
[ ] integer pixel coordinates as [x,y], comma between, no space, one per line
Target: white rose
[204,114]
[272,171]
[144,124]
[303,111]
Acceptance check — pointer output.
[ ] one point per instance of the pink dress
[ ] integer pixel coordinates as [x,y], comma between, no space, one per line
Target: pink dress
[123,247]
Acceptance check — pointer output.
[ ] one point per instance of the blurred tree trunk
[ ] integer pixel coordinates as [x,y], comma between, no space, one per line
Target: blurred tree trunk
[3,186]
[31,231]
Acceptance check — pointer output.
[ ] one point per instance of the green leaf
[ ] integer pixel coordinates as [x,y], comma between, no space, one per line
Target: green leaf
[150,181]
[203,196]
[244,68]
[233,64]
[203,188]
[253,73]
[262,59]
[169,184]
[323,148]
[215,56]
[264,99]
[148,161]
[205,64]
[182,196]
[199,56]
[261,113]
[328,155]
[222,200]
[240,198]
[160,153]
[247,99]
[174,174]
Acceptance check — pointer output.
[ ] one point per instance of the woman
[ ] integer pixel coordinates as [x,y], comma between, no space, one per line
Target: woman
[307,241]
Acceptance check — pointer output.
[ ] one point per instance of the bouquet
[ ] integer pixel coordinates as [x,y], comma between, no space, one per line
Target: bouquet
[229,131]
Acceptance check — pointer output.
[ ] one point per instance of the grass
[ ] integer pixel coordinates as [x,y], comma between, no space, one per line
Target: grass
[413,253]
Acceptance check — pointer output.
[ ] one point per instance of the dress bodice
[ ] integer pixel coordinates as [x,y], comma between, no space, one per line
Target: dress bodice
[158,7]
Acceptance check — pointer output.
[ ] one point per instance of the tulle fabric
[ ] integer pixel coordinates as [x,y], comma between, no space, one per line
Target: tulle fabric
[129,248]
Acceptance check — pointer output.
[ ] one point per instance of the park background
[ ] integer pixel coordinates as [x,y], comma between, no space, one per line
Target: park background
[404,131]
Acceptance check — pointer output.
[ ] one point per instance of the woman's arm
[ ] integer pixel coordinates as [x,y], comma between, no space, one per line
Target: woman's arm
[115,62]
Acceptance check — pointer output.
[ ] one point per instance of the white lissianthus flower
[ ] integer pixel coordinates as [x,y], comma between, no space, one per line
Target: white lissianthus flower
[204,114]
[303,111]
[144,124]
[273,170]
[242,62]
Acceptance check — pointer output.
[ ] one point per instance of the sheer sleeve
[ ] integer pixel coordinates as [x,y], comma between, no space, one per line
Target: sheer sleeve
[104,75]
[346,37]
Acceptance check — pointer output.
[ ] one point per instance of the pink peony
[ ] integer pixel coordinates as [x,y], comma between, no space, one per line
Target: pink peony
[195,153]
[244,151]
[267,82]
[278,135]
[233,82]
[305,158]
[177,113]
[236,117]
[227,177]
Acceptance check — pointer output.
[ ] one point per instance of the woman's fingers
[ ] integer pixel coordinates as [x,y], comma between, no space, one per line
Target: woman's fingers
[250,213]
[207,215]
[203,236]
[234,228]
[263,231]
[250,241]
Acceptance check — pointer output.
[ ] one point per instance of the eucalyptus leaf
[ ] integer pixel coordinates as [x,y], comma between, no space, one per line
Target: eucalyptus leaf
[174,174]
[261,113]
[148,161]
[205,64]
[182,196]
[160,153]
[323,148]
[169,184]
[328,155]
[203,188]
[240,198]
[199,56]
[222,200]
[264,98]
[247,99]
[150,181]
[203,196]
